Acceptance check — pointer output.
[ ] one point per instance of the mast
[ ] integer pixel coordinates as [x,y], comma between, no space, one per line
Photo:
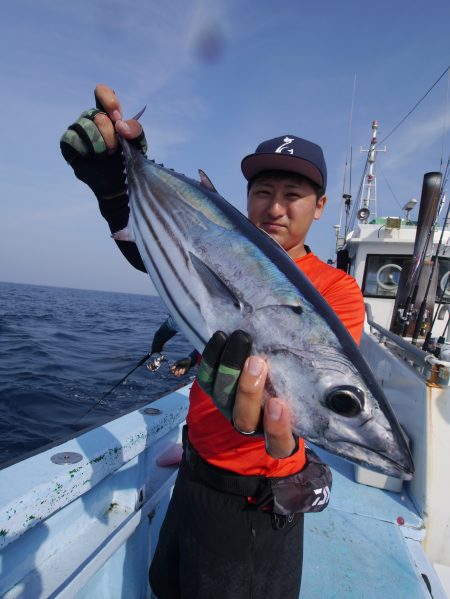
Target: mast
[368,209]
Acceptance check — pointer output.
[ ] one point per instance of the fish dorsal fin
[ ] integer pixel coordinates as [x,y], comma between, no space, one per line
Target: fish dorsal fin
[205,181]
[213,283]
[139,114]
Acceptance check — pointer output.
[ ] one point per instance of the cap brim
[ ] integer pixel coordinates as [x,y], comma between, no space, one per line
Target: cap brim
[254,164]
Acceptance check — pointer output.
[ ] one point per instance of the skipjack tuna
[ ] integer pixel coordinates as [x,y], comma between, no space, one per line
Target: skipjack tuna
[216,271]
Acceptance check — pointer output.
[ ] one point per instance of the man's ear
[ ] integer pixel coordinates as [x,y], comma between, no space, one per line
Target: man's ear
[320,205]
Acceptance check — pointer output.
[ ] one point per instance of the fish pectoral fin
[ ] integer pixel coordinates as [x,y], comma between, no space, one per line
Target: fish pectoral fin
[205,181]
[296,308]
[213,283]
[292,355]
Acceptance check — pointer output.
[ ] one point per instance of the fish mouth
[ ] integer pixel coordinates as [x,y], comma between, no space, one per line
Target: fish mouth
[403,470]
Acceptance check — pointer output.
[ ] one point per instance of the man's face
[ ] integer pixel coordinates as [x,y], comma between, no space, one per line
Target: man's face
[285,208]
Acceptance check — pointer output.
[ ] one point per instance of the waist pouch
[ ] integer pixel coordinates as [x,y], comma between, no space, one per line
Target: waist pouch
[302,492]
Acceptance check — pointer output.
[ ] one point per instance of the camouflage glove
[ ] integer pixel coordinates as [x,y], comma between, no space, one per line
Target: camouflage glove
[83,147]
[219,371]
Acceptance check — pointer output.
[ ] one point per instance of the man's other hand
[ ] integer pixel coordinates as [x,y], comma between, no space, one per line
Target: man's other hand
[235,381]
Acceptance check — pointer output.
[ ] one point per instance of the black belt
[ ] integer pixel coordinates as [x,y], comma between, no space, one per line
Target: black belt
[257,487]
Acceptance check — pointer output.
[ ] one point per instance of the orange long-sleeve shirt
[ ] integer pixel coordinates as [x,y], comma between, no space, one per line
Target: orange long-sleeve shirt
[214,437]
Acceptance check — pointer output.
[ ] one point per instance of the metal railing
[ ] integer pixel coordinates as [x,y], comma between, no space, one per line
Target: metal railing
[412,352]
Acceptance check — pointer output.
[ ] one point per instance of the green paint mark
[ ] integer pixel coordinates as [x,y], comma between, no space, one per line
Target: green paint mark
[3,532]
[31,518]
[99,459]
[74,471]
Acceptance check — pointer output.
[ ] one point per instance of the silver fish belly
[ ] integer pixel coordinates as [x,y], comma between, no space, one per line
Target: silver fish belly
[216,271]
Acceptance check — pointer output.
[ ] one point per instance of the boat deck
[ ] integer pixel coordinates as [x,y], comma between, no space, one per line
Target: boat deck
[105,512]
[357,549]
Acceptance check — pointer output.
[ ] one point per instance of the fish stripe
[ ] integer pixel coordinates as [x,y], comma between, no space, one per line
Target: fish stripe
[164,252]
[160,201]
[170,297]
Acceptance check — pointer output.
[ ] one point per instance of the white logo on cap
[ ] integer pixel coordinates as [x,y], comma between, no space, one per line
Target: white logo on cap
[284,148]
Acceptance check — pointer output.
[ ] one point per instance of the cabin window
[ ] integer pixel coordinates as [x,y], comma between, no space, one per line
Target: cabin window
[382,275]
[443,286]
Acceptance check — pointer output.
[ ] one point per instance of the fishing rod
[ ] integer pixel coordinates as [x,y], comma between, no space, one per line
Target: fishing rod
[419,319]
[441,340]
[436,315]
[407,309]
[444,289]
[421,313]
[427,340]
[105,395]
[405,313]
[407,296]
[446,326]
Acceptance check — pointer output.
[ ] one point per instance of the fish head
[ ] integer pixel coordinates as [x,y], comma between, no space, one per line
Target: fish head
[343,410]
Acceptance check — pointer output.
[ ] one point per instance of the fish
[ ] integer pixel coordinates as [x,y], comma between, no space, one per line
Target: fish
[215,270]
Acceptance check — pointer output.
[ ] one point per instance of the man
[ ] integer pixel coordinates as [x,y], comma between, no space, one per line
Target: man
[234,526]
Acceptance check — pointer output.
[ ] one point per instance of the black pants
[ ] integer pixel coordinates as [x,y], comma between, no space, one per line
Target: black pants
[215,545]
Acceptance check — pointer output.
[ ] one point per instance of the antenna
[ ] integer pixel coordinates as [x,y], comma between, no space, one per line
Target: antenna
[408,207]
[346,195]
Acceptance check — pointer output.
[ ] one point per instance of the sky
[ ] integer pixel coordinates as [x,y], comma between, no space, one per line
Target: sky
[217,77]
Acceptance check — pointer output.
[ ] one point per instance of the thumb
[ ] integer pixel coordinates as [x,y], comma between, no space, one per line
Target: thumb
[130,129]
[280,442]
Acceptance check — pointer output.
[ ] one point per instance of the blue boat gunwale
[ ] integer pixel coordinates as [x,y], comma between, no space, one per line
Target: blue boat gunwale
[34,489]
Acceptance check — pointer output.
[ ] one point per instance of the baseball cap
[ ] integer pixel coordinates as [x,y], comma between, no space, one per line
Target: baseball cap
[287,153]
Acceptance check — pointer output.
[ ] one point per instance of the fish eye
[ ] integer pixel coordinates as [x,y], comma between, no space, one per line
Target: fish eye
[346,401]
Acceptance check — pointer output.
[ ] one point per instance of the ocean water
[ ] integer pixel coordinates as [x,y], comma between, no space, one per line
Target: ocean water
[62,349]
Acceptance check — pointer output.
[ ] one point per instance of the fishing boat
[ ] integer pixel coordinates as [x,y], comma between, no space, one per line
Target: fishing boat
[82,518]
[402,267]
